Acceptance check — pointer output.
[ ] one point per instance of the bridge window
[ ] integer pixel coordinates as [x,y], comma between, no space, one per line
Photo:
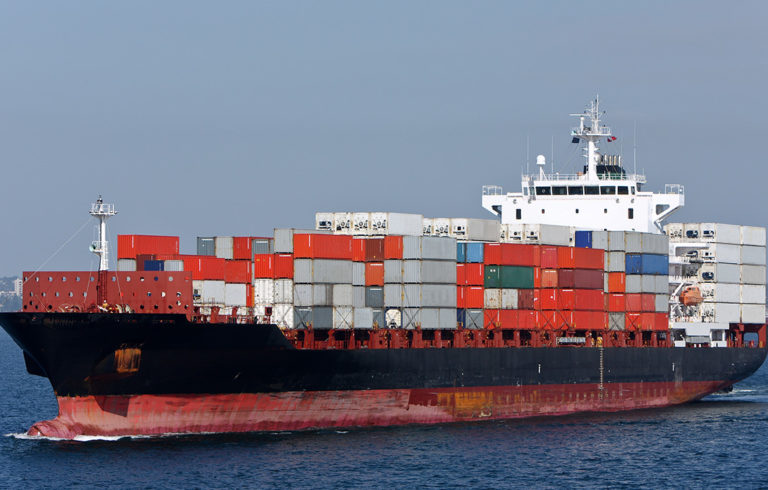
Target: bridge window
[631,213]
[633,190]
[558,190]
[624,190]
[544,191]
[575,190]
[608,190]
[518,213]
[591,190]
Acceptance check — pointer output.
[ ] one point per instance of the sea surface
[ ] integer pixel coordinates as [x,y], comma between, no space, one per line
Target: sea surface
[718,442]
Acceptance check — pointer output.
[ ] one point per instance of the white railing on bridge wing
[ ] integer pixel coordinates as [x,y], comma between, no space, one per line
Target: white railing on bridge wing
[638,178]
[674,189]
[493,190]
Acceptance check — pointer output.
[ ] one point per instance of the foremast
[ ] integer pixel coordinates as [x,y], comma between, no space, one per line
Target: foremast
[102,212]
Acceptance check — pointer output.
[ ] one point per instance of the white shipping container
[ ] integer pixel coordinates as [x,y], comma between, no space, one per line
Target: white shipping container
[361,225]
[752,255]
[438,295]
[411,295]
[282,315]
[691,232]
[547,235]
[363,318]
[753,274]
[753,313]
[343,295]
[173,266]
[303,294]
[438,248]
[713,292]
[720,233]
[753,235]
[264,292]
[393,271]
[358,273]
[393,317]
[509,299]
[223,247]
[715,272]
[235,294]
[393,295]
[343,317]
[481,230]
[342,223]
[283,290]
[396,224]
[725,253]
[427,226]
[441,227]
[324,221]
[674,231]
[720,312]
[126,265]
[752,293]
[492,299]
[411,247]
[438,271]
[213,292]
[515,233]
[661,303]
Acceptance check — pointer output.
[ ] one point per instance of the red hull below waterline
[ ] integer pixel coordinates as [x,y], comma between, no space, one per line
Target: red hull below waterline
[288,411]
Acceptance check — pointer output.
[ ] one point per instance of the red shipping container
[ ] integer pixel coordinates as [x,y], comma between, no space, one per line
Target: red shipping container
[661,322]
[491,318]
[166,257]
[526,319]
[549,278]
[589,300]
[525,299]
[555,320]
[588,258]
[312,246]
[141,258]
[474,296]
[634,302]
[241,247]
[205,267]
[616,282]
[518,254]
[474,274]
[393,247]
[263,266]
[590,320]
[548,256]
[129,246]
[238,272]
[358,249]
[565,278]
[374,250]
[566,299]
[492,254]
[616,302]
[249,301]
[632,321]
[648,302]
[566,258]
[374,273]
[461,276]
[283,266]
[588,279]
[548,299]
[537,277]
[460,297]
[508,318]
[647,321]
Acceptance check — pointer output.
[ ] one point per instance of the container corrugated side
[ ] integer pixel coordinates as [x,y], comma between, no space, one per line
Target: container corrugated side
[213,292]
[714,272]
[752,255]
[720,233]
[752,313]
[720,292]
[224,247]
[127,265]
[492,299]
[752,274]
[393,295]
[615,262]
[363,318]
[600,239]
[411,295]
[393,271]
[358,296]
[322,295]
[343,295]
[752,294]
[438,271]
[284,291]
[343,317]
[206,246]
[303,294]
[509,299]
[283,238]
[720,312]
[323,317]
[235,294]
[752,235]
[264,292]
[412,247]
[411,318]
[430,318]
[173,266]
[322,271]
[358,273]
[282,315]
[722,252]
[374,296]
[438,295]
[438,248]
[412,271]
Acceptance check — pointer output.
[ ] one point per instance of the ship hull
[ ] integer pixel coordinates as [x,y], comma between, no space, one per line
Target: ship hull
[156,374]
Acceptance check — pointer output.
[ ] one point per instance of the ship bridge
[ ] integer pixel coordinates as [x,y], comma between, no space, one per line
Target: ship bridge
[602,197]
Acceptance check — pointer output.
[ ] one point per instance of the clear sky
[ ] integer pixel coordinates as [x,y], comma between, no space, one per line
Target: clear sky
[205,118]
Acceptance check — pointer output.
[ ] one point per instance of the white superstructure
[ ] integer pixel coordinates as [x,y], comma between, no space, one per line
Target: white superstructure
[100,247]
[602,197]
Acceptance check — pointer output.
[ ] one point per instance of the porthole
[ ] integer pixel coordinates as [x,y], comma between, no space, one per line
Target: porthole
[170,278]
[141,279]
[57,294]
[149,293]
[71,294]
[127,278]
[63,278]
[43,294]
[605,211]
[77,278]
[157,278]
[50,278]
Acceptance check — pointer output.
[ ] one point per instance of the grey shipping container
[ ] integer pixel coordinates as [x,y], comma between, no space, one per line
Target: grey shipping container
[283,290]
[343,317]
[206,246]
[438,295]
[412,271]
[322,317]
[322,295]
[633,242]
[411,318]
[374,296]
[393,271]
[393,295]
[358,273]
[438,248]
[753,274]
[616,241]
[378,317]
[363,318]
[600,239]
[614,262]
[750,255]
[342,295]
[262,246]
[302,295]
[474,319]
[302,317]
[438,271]
[438,318]
[616,321]
[126,265]
[753,235]
[633,283]
[358,296]
[662,303]
[412,296]
[223,246]
[411,247]
[322,271]
[174,266]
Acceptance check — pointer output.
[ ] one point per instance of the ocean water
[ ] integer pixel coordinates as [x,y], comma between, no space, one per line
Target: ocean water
[718,442]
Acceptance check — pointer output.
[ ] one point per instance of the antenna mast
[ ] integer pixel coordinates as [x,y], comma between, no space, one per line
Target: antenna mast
[100,247]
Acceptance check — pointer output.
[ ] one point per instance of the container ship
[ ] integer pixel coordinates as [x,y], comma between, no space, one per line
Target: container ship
[577,296]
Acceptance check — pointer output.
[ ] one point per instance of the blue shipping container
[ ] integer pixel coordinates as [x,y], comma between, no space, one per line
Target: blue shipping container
[655,264]
[461,252]
[633,263]
[583,239]
[461,315]
[154,265]
[475,252]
